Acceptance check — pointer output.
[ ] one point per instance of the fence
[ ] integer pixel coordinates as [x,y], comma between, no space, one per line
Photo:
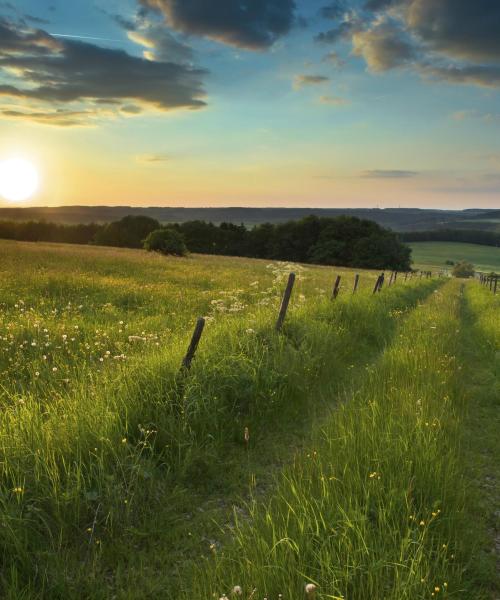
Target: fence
[490,281]
[285,302]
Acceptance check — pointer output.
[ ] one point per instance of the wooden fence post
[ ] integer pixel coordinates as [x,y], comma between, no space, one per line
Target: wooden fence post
[336,288]
[496,283]
[381,284]
[375,289]
[356,283]
[195,340]
[285,301]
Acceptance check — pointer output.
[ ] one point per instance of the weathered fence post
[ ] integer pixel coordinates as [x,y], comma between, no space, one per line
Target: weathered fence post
[375,289]
[391,278]
[395,276]
[496,283]
[285,301]
[406,276]
[356,283]
[381,284]
[336,288]
[195,340]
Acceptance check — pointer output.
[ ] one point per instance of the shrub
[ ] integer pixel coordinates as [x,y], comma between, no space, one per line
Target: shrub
[463,269]
[166,241]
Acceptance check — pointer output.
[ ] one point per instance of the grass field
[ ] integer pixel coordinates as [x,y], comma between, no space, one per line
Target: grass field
[433,255]
[355,451]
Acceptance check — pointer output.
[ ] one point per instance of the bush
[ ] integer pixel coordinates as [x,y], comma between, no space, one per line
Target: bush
[463,270]
[166,241]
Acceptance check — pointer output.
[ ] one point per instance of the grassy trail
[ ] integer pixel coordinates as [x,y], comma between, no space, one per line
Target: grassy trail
[377,508]
[345,340]
[480,350]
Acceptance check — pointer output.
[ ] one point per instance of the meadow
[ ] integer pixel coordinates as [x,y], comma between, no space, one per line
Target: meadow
[433,255]
[351,452]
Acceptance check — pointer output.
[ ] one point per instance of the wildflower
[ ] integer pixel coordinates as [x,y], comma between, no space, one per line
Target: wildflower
[422,523]
[310,590]
[54,369]
[237,591]
[124,440]
[246,435]
[18,490]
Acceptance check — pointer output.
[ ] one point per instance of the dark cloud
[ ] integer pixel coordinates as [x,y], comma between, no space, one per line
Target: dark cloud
[457,41]
[466,29]
[388,174]
[342,31]
[334,10]
[252,24]
[38,68]
[482,75]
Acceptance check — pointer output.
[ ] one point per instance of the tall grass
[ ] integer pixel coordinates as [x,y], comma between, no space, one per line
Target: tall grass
[93,446]
[374,509]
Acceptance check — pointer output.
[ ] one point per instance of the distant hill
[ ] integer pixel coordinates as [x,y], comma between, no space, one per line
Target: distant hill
[398,219]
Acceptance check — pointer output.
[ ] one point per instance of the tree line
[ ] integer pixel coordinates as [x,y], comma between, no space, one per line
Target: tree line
[468,236]
[343,241]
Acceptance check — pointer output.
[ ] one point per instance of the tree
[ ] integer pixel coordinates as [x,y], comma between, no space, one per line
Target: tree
[463,270]
[129,232]
[166,241]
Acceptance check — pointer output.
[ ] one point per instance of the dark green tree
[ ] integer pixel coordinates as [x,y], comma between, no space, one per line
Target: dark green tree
[166,241]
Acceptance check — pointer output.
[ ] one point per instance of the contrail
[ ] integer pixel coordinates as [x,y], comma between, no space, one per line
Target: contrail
[83,37]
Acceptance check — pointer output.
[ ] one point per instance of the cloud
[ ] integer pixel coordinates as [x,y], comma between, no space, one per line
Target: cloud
[334,10]
[383,47]
[462,115]
[484,76]
[48,74]
[388,174]
[62,118]
[300,81]
[254,24]
[463,29]
[160,44]
[334,100]
[336,34]
[455,41]
[153,159]
[334,59]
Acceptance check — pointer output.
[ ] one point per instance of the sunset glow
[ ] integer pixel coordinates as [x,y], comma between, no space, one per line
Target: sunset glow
[327,104]
[18,179]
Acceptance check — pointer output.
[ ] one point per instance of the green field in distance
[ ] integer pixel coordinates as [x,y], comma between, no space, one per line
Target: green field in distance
[435,254]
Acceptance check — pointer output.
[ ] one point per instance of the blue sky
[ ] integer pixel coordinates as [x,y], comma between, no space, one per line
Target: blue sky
[255,110]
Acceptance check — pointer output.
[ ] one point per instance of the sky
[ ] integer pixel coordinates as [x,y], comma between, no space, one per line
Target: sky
[312,103]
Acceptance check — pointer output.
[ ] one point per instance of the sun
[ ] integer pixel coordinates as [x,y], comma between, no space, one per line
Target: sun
[18,179]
